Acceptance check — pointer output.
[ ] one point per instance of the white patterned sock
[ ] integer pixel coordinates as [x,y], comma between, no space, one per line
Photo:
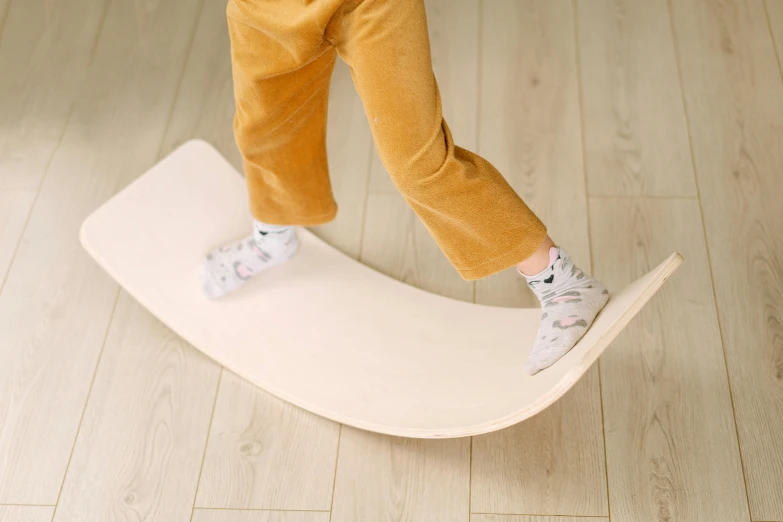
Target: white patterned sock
[229,267]
[570,300]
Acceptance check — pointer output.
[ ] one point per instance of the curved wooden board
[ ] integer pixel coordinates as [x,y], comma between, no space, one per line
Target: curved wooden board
[325,332]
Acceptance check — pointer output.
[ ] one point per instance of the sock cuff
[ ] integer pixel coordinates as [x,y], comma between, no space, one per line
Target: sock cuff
[553,253]
[266,227]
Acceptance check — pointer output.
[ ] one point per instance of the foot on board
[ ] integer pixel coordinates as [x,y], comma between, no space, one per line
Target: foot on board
[570,300]
[231,266]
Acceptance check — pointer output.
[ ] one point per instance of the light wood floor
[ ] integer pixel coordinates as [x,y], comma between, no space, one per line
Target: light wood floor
[633,127]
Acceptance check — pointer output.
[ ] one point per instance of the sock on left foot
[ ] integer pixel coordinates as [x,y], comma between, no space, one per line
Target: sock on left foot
[570,300]
[228,268]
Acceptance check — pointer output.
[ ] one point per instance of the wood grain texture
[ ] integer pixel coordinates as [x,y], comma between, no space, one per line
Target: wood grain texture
[453,32]
[390,478]
[55,309]
[554,462]
[26,513]
[734,102]
[533,518]
[15,206]
[671,444]
[264,453]
[775,20]
[427,480]
[530,127]
[45,52]
[204,107]
[226,515]
[4,7]
[397,244]
[138,453]
[636,142]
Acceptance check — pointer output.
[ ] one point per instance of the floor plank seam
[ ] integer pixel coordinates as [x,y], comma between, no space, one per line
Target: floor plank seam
[470,478]
[367,192]
[185,62]
[206,443]
[334,477]
[772,38]
[575,16]
[87,400]
[642,197]
[5,14]
[25,505]
[98,33]
[273,510]
[4,277]
[675,41]
[598,517]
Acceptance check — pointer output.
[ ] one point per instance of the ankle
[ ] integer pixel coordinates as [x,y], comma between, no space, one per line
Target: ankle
[540,260]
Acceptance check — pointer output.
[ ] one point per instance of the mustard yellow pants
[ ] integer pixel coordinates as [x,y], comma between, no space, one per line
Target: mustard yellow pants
[283,52]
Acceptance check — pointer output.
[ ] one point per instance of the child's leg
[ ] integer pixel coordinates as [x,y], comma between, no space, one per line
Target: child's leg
[281,67]
[476,218]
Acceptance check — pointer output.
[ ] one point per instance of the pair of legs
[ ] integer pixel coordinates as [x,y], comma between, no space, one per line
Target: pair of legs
[283,53]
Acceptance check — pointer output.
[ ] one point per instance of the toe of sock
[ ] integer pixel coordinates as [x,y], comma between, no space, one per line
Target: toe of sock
[211,289]
[545,358]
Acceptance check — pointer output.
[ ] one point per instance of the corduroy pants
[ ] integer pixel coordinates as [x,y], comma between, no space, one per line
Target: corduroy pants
[283,52]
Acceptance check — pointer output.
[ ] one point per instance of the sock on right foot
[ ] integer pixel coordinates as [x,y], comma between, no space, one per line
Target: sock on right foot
[570,301]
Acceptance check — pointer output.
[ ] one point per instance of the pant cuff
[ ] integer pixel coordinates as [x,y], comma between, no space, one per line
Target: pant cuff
[515,255]
[304,220]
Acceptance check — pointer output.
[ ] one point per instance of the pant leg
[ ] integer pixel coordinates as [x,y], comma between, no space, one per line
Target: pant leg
[476,218]
[281,68]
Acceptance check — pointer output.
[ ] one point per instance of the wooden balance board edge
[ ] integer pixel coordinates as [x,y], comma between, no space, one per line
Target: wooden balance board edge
[323,331]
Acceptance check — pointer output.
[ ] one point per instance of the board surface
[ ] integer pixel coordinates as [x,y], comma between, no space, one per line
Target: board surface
[325,332]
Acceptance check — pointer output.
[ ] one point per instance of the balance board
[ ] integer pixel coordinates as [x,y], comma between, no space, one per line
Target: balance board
[325,332]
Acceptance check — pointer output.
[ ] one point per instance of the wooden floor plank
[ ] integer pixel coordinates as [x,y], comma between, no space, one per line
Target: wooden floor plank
[56,304]
[264,453]
[204,107]
[554,462]
[4,7]
[397,244]
[44,52]
[142,438]
[550,464]
[380,477]
[428,480]
[453,32]
[533,518]
[26,513]
[530,126]
[775,19]
[636,142]
[349,148]
[671,444]
[734,102]
[15,206]
[389,478]
[230,515]
[286,465]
